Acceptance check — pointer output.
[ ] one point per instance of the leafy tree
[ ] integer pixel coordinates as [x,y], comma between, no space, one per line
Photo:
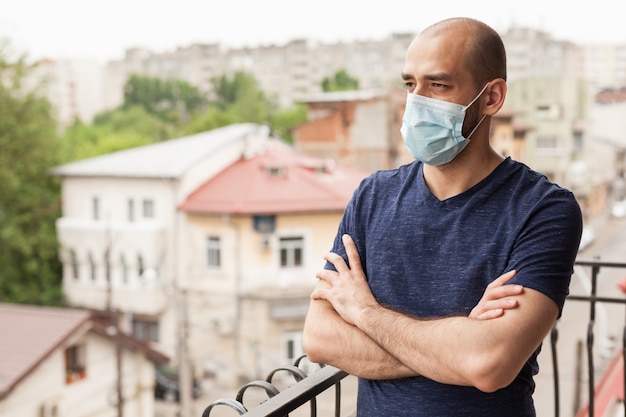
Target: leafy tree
[113,131]
[209,120]
[283,122]
[239,99]
[341,81]
[30,271]
[242,86]
[170,100]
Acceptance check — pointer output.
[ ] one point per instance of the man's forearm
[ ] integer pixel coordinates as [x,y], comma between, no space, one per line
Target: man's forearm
[330,340]
[418,343]
[486,354]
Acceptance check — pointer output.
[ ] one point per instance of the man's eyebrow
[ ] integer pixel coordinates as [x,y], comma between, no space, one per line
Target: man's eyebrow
[439,76]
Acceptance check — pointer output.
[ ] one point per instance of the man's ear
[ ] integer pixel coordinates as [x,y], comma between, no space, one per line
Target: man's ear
[496,93]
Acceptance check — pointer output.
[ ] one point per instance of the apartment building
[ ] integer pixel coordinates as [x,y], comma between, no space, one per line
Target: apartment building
[205,247]
[257,233]
[120,230]
[284,72]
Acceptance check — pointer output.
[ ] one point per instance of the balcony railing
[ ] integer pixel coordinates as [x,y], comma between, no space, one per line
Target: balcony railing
[280,404]
[307,388]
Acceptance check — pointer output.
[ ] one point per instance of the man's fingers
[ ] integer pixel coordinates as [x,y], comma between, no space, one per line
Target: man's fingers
[502,279]
[504,291]
[490,314]
[338,262]
[353,254]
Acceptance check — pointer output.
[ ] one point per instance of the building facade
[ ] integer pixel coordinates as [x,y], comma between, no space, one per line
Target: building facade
[205,247]
[63,362]
[120,229]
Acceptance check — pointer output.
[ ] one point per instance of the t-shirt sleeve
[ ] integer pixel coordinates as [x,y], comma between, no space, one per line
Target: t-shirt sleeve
[545,251]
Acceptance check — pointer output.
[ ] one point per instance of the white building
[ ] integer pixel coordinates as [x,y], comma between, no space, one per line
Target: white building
[75,88]
[148,234]
[120,229]
[59,362]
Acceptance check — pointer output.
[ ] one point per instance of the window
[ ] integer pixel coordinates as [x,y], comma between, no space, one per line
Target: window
[547,143]
[548,112]
[146,330]
[140,266]
[74,265]
[214,252]
[578,142]
[148,209]
[92,268]
[291,251]
[293,345]
[49,410]
[95,208]
[124,269]
[131,210]
[74,364]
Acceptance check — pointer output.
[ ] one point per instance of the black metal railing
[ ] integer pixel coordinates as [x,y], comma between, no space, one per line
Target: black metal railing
[307,387]
[593,298]
[280,404]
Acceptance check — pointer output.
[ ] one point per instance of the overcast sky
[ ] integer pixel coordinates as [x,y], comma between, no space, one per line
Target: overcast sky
[103,30]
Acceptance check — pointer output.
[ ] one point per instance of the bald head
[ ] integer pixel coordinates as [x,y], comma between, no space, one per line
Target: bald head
[484,55]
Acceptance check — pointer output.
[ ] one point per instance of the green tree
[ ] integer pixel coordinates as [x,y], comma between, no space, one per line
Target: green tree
[239,99]
[30,271]
[113,131]
[229,91]
[341,81]
[171,100]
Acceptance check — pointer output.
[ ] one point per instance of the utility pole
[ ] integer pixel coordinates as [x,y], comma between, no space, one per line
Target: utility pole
[113,326]
[179,286]
[184,372]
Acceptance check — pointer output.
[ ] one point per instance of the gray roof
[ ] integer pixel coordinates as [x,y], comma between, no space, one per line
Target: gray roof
[168,159]
[29,335]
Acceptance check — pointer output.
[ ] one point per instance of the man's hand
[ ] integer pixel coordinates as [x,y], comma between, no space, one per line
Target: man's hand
[497,298]
[347,288]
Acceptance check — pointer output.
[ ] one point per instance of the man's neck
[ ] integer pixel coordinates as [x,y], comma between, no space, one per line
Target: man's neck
[461,174]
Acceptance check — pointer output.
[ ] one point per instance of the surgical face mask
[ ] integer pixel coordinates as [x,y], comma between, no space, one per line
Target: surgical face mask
[432,129]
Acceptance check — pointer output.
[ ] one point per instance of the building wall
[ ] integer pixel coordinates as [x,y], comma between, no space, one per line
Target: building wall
[92,396]
[75,88]
[353,131]
[154,294]
[557,110]
[240,314]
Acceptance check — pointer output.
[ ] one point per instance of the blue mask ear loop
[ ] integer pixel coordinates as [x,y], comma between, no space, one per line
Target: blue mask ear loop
[484,115]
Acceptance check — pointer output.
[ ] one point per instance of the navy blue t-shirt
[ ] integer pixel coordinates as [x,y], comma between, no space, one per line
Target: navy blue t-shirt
[432,258]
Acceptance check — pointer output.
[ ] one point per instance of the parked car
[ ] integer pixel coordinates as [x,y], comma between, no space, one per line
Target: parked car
[167,385]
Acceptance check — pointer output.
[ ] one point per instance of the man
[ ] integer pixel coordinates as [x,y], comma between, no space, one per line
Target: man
[413,298]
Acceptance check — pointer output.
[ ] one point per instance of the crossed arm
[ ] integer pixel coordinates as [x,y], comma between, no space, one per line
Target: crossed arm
[347,328]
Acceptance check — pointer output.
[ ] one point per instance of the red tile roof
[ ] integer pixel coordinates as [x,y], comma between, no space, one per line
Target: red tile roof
[277,179]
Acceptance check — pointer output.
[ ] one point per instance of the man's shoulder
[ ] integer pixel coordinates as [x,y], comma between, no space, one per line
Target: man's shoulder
[530,178]
[401,173]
